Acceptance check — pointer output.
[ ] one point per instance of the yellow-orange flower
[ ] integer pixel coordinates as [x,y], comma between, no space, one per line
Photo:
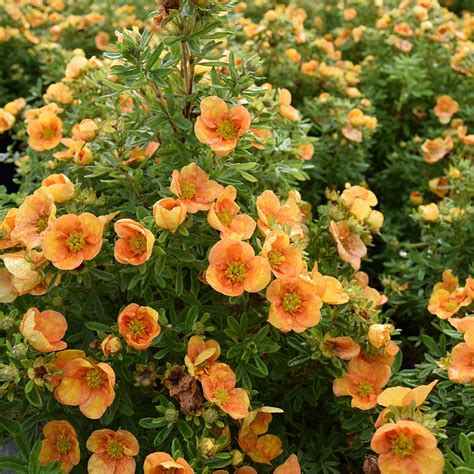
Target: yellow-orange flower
[7,120]
[363,382]
[350,247]
[286,109]
[461,365]
[162,463]
[45,132]
[85,131]
[445,108]
[169,213]
[285,258]
[88,385]
[194,188]
[75,68]
[404,396]
[466,326]
[113,452]
[331,288]
[260,449]
[58,92]
[221,126]
[407,446]
[445,304]
[71,239]
[437,149]
[59,444]
[379,335]
[310,68]
[60,187]
[359,201]
[295,303]
[201,355]
[219,388]
[290,466]
[135,242]
[15,106]
[234,268]
[33,217]
[77,150]
[139,325]
[44,330]
[429,212]
[223,216]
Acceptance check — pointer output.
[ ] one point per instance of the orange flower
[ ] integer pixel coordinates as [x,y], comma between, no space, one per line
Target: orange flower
[75,68]
[437,149]
[295,303]
[274,215]
[403,29]
[201,355]
[306,151]
[264,135]
[139,325]
[379,335]
[407,446]
[404,396]
[33,217]
[135,242]
[290,466]
[466,326]
[310,68]
[113,452]
[6,227]
[286,109]
[71,239]
[359,201]
[343,347]
[76,149]
[85,131]
[363,382]
[261,449]
[7,120]
[59,444]
[60,360]
[194,188]
[219,126]
[258,421]
[161,463]
[333,292]
[362,280]
[88,385]
[445,304]
[219,388]
[445,108]
[137,155]
[350,247]
[234,268]
[169,213]
[44,330]
[45,131]
[60,187]
[223,216]
[461,365]
[111,345]
[58,92]
[284,258]
[15,106]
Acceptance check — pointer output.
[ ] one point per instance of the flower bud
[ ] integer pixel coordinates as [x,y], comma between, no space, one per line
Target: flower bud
[86,130]
[111,345]
[430,212]
[375,220]
[379,335]
[60,187]
[169,213]
[210,416]
[171,415]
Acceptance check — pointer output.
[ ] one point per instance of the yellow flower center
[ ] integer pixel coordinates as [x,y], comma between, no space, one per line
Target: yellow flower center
[63,445]
[227,129]
[136,328]
[221,395]
[365,389]
[137,244]
[236,272]
[291,302]
[275,258]
[402,445]
[225,217]
[94,378]
[451,305]
[48,133]
[42,223]
[75,242]
[188,190]
[115,449]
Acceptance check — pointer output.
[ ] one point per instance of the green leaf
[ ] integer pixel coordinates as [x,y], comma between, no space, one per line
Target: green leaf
[34,397]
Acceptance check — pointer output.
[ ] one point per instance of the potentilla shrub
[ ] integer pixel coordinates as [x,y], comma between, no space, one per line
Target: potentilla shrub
[171,303]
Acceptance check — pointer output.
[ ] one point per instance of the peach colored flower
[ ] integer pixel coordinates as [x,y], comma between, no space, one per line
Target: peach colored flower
[343,347]
[223,216]
[59,361]
[162,463]
[295,303]
[88,385]
[407,446]
[58,92]
[445,304]
[85,131]
[72,239]
[137,155]
[6,228]
[404,396]
[285,258]
[60,187]
[75,68]
[169,213]
[221,126]
[113,452]
[445,108]
[194,188]
[461,365]
[306,151]
[310,68]
[437,149]
[379,335]
[359,201]
[350,247]
[286,109]
[219,388]
[234,268]
[261,449]
[290,466]
[44,330]
[33,217]
[403,29]
[135,243]
[466,326]
[201,355]
[59,444]
[139,325]
[332,290]
[45,132]
[352,134]
[76,150]
[363,382]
